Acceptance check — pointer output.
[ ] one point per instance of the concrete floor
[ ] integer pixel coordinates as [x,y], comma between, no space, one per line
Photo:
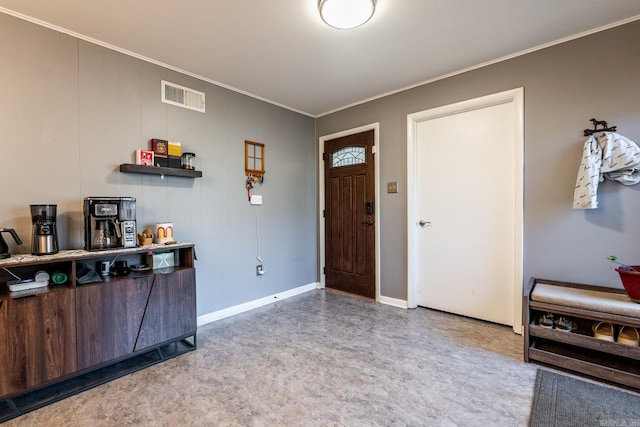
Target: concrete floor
[321,359]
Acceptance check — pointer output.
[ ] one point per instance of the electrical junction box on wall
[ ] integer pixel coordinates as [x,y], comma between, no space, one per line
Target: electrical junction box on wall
[256,199]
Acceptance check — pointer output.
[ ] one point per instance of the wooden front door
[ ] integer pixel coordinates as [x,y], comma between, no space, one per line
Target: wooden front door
[350,214]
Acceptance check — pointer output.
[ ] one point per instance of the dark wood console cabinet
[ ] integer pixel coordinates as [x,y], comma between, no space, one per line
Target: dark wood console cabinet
[55,335]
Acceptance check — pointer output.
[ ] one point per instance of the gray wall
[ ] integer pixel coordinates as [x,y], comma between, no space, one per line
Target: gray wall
[71,112]
[565,85]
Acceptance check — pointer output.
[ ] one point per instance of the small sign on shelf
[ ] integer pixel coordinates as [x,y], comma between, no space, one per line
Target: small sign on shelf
[144,157]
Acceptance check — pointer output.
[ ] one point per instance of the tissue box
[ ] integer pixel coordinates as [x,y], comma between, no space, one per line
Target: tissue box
[164,260]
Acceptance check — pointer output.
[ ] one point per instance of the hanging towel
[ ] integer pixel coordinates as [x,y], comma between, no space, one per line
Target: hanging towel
[608,155]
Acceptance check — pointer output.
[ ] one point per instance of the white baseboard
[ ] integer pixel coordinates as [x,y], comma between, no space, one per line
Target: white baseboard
[250,305]
[393,301]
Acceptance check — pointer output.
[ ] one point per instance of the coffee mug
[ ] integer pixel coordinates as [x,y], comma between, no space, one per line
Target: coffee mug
[103,268]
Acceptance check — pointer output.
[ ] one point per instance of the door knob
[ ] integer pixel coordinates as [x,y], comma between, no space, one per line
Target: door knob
[368,222]
[422,223]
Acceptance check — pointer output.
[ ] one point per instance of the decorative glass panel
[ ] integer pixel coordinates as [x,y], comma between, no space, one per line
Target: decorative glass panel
[348,156]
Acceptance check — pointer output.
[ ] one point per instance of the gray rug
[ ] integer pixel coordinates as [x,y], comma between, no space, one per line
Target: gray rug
[560,400]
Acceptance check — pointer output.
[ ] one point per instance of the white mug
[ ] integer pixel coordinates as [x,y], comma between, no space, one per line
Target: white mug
[104,268]
[164,232]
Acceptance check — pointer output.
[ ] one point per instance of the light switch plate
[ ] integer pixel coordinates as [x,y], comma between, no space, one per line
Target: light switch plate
[256,199]
[392,187]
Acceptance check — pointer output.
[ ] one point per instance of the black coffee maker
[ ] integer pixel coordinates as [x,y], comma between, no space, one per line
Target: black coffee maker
[109,222]
[4,248]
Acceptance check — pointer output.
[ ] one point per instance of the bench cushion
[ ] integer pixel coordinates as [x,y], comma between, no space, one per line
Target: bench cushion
[604,302]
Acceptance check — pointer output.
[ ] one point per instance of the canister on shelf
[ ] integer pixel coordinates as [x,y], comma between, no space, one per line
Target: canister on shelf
[188,161]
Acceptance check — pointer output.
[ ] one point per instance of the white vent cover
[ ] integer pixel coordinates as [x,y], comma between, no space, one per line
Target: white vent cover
[182,96]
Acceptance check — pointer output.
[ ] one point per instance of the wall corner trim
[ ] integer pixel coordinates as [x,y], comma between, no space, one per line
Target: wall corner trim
[250,305]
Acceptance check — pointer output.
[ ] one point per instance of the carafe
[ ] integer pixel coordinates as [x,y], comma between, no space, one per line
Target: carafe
[104,234]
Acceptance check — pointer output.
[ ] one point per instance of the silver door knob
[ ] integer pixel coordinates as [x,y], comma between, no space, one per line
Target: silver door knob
[422,223]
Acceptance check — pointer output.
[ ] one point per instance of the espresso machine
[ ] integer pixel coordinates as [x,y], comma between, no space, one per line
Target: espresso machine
[109,222]
[44,237]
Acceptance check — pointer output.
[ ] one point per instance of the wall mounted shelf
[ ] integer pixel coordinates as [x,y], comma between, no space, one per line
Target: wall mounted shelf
[159,170]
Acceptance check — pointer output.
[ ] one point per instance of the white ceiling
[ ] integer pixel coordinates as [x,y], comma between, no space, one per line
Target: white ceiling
[280,51]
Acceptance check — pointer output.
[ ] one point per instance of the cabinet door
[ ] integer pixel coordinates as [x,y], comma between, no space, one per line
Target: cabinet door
[171,311]
[58,338]
[109,317]
[19,337]
[37,336]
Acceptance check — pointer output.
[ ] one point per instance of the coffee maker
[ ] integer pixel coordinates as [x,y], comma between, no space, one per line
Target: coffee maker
[44,237]
[109,222]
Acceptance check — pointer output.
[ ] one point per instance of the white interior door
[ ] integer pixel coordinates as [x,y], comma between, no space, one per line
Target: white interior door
[467,212]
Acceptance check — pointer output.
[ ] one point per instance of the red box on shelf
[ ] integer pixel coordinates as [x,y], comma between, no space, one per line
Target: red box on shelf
[144,157]
[160,146]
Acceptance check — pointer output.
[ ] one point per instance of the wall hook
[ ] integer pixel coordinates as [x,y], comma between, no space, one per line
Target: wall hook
[603,127]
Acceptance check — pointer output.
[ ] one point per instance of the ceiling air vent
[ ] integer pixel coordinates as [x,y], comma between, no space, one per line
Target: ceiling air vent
[182,96]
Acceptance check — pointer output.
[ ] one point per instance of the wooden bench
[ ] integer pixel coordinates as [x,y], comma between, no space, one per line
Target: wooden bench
[578,351]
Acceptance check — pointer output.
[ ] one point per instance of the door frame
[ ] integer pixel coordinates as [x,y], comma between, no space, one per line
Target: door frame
[321,205]
[514,96]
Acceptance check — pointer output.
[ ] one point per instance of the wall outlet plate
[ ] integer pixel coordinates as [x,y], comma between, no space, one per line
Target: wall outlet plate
[392,187]
[256,199]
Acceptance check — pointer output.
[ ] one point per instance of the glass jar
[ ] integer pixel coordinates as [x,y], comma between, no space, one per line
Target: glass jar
[188,161]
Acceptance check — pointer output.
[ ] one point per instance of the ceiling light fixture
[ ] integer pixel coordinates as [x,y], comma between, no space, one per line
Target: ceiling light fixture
[345,14]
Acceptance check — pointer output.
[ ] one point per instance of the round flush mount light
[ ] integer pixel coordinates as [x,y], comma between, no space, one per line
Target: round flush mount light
[345,14]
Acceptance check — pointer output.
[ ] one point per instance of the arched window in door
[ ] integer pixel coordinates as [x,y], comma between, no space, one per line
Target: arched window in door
[348,156]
